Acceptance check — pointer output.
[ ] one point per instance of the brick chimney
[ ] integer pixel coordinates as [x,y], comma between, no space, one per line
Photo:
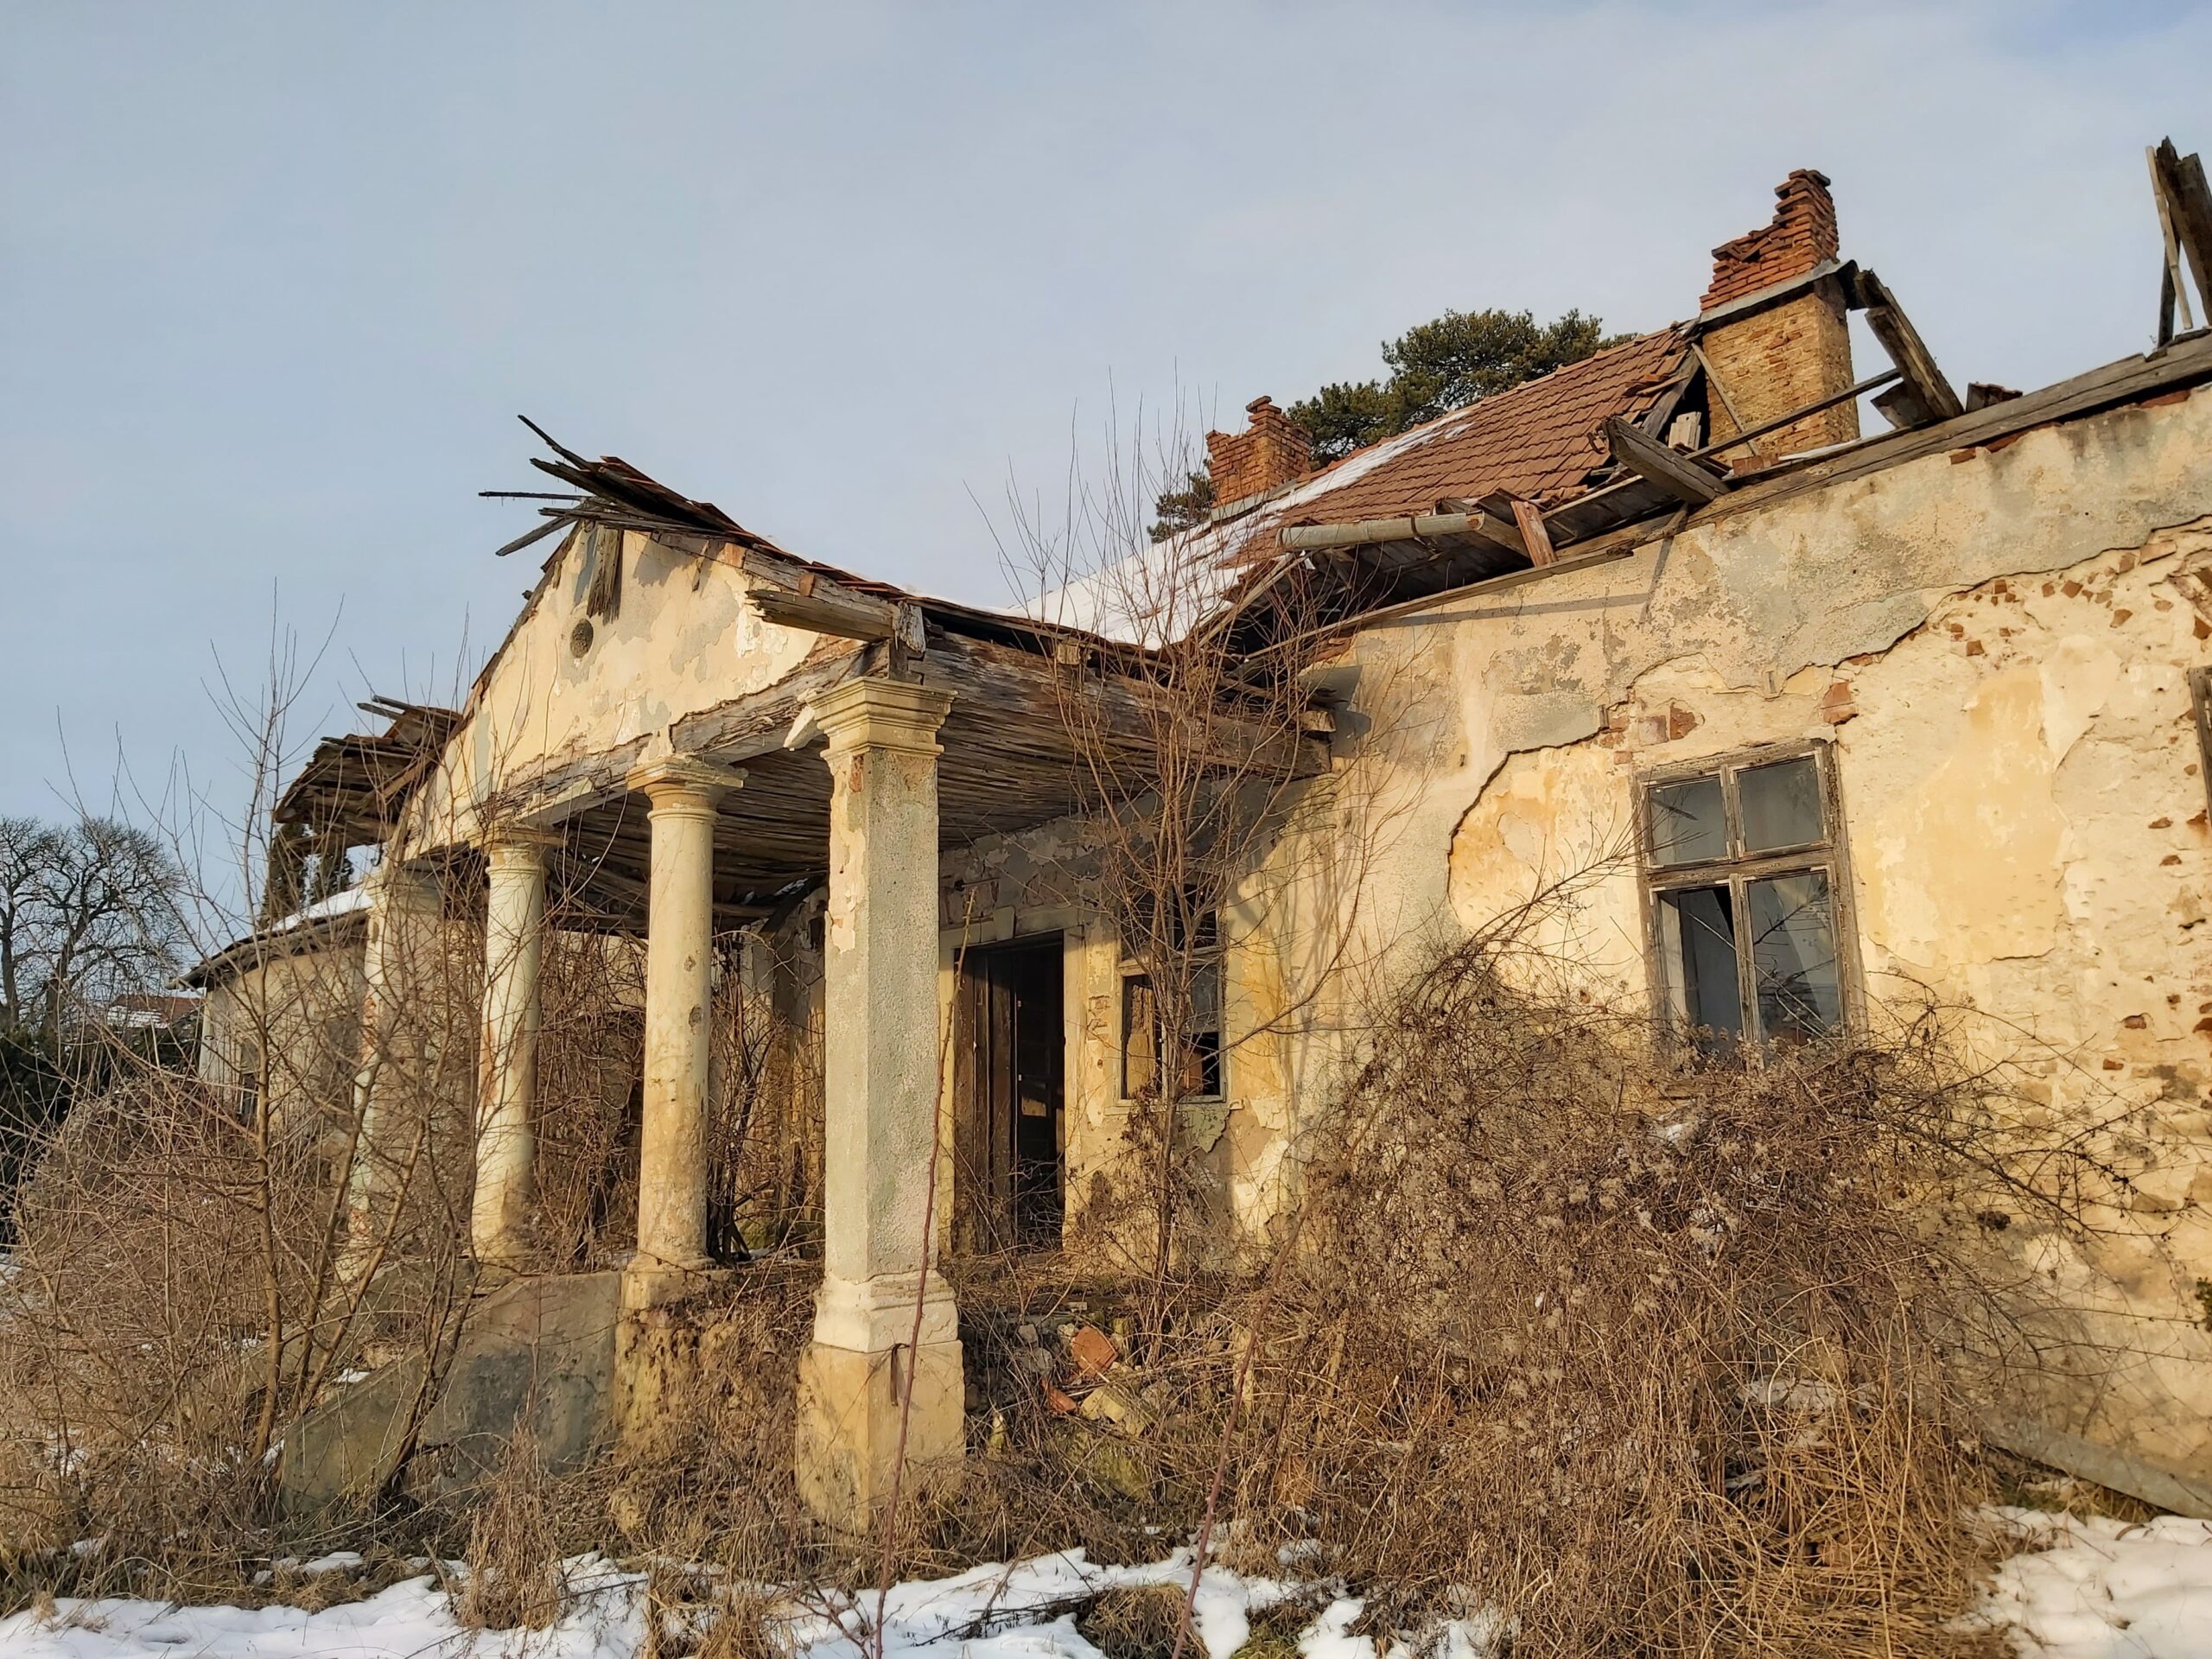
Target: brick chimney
[1771,359]
[1273,451]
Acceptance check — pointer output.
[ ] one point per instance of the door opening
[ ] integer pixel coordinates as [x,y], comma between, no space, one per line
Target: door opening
[1011,1044]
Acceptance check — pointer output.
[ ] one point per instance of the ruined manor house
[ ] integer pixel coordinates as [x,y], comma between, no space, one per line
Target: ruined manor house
[1828,718]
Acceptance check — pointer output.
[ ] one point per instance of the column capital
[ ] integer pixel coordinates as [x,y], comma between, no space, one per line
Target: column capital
[517,845]
[683,780]
[875,714]
[397,883]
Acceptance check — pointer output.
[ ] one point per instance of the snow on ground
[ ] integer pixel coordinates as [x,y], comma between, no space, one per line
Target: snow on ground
[2082,1589]
[605,1620]
[2090,1587]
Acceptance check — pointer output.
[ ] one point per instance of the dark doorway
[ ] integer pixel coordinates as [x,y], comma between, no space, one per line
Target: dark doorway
[1010,1047]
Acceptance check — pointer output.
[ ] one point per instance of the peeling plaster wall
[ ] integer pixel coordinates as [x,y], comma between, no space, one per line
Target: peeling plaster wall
[296,1019]
[1997,644]
[683,641]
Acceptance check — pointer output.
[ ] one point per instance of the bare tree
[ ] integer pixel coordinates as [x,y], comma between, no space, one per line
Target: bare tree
[27,849]
[105,916]
[1203,774]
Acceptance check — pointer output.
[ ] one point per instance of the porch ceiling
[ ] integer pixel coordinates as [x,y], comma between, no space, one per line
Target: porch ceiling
[1009,763]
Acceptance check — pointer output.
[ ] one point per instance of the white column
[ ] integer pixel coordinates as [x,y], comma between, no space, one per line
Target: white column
[881,1078]
[514,925]
[679,988]
[400,1021]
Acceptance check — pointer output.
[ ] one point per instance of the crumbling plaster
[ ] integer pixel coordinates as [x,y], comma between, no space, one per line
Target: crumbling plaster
[1997,643]
[683,641]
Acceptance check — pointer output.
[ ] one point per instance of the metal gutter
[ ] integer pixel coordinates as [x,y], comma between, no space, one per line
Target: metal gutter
[1429,527]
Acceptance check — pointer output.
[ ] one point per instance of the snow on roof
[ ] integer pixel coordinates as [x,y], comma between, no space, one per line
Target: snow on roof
[347,902]
[1540,439]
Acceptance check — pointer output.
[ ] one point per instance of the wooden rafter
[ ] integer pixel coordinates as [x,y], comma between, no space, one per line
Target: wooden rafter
[1924,394]
[1652,460]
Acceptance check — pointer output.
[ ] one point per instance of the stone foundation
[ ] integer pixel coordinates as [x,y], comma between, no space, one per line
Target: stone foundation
[849,1406]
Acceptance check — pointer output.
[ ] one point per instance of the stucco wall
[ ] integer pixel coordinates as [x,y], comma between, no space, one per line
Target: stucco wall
[296,1020]
[683,641]
[1996,643]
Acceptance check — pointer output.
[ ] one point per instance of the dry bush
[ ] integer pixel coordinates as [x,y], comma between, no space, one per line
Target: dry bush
[1652,1362]
[589,1061]
[136,1321]
[765,1123]
[514,1578]
[1139,1622]
[713,1483]
[183,1290]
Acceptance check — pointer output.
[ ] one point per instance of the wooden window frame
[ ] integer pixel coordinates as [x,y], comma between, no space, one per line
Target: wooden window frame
[1205,958]
[1736,870]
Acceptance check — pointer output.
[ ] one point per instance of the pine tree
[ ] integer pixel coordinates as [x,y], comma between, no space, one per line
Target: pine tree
[1444,365]
[1435,367]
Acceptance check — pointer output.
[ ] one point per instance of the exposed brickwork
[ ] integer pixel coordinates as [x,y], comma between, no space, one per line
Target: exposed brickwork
[1273,450]
[1803,234]
[1790,355]
[1782,359]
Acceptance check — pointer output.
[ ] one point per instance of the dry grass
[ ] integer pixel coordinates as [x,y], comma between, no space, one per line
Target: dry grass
[1140,1622]
[514,1578]
[1653,1363]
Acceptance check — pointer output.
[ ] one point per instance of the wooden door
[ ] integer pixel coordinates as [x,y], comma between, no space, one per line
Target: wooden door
[1009,1047]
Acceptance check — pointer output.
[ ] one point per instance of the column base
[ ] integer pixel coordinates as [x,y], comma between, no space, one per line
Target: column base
[656,1344]
[849,1405]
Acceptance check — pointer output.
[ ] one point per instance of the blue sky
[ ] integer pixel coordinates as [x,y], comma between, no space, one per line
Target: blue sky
[276,279]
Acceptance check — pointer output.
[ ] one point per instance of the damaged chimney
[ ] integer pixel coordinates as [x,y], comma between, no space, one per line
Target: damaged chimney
[1770,359]
[1273,451]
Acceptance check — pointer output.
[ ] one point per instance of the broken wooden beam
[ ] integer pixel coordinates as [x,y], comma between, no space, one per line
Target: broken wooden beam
[1652,460]
[1529,519]
[818,606]
[1924,394]
[2185,213]
[1872,383]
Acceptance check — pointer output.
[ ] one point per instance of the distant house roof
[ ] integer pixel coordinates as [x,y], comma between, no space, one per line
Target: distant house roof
[150,1010]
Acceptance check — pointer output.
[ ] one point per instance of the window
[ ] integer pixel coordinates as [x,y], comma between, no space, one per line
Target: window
[1744,876]
[1144,1035]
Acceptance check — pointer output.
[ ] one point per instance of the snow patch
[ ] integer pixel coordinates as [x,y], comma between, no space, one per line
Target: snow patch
[2090,1587]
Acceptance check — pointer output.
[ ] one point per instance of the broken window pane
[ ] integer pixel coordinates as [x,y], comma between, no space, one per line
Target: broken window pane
[1689,825]
[1202,1064]
[1701,929]
[1793,956]
[1781,805]
[1139,1035]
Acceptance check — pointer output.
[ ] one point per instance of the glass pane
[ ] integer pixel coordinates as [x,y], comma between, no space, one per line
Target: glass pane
[1793,956]
[1202,1066]
[1688,823]
[1781,805]
[1205,995]
[1202,1043]
[1701,935]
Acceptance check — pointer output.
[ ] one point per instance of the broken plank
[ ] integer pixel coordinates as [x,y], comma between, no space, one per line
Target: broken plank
[1536,539]
[1924,395]
[1484,526]
[1653,461]
[824,608]
[2188,202]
